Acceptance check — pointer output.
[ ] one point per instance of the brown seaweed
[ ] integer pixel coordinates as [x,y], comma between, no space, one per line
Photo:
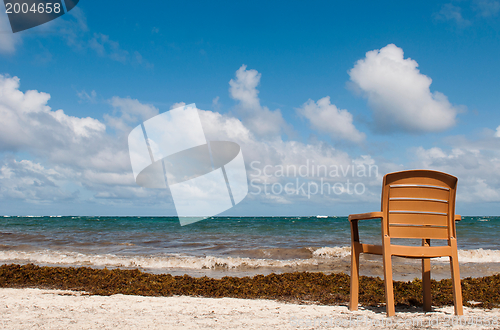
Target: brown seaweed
[298,287]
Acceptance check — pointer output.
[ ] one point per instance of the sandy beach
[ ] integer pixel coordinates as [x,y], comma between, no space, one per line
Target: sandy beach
[58,309]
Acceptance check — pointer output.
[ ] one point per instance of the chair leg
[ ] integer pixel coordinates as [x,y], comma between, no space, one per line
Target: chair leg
[455,277]
[426,283]
[389,290]
[353,301]
[426,279]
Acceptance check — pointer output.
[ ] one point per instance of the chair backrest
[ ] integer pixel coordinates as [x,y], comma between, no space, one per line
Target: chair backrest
[419,204]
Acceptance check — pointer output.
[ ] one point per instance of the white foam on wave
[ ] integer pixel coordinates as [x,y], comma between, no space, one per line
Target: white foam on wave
[472,255]
[322,256]
[147,262]
[333,252]
[479,255]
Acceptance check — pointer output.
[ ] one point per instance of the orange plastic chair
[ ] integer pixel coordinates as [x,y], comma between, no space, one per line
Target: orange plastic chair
[418,204]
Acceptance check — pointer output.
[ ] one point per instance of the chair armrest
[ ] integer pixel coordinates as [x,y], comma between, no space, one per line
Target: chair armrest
[458,217]
[365,216]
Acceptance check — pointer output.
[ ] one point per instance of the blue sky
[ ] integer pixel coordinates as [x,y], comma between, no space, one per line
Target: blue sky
[108,66]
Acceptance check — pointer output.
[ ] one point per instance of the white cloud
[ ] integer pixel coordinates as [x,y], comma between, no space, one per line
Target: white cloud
[475,163]
[32,182]
[86,97]
[218,127]
[275,154]
[132,109]
[453,13]
[30,125]
[131,112]
[399,94]
[140,59]
[177,105]
[259,119]
[72,27]
[76,158]
[486,8]
[449,12]
[327,118]
[106,47]
[244,88]
[216,104]
[27,121]
[8,40]
[74,30]
[67,153]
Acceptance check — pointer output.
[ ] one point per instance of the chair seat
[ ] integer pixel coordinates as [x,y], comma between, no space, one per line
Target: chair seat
[407,251]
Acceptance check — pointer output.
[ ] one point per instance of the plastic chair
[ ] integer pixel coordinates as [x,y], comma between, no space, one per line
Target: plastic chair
[416,204]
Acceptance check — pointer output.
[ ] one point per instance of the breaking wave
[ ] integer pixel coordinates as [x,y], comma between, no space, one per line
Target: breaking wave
[320,258]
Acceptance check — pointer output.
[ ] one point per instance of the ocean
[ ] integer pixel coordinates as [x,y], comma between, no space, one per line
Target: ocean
[227,246]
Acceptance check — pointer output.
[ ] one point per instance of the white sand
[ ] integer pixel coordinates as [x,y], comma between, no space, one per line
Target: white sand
[54,309]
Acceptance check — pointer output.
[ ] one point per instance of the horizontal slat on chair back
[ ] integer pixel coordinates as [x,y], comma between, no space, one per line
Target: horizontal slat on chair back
[418,207]
[420,193]
[418,232]
[418,204]
[421,219]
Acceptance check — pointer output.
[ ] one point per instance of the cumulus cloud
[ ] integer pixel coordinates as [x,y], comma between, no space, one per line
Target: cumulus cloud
[259,119]
[475,163]
[68,157]
[28,122]
[32,182]
[276,154]
[132,109]
[128,113]
[61,143]
[399,94]
[327,118]
[244,88]
[77,158]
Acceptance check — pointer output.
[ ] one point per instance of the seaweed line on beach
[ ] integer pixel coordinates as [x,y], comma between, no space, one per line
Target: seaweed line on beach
[297,287]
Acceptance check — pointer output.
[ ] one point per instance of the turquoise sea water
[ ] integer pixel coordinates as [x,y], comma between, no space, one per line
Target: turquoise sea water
[246,244]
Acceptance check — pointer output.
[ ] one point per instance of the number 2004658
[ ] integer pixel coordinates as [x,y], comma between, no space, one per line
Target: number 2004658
[39,8]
